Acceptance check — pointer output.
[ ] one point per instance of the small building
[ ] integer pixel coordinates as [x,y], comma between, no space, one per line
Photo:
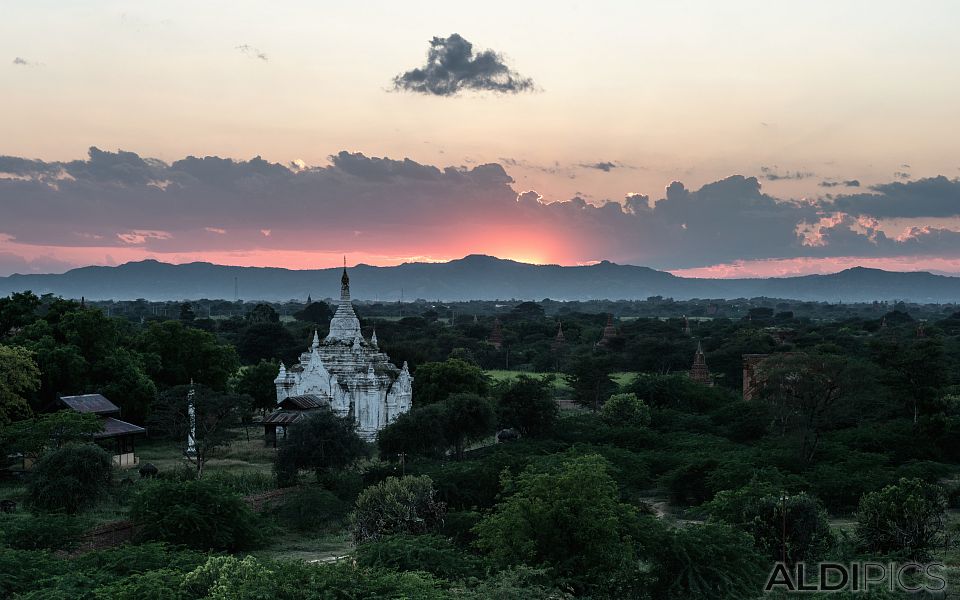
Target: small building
[116,436]
[609,333]
[290,410]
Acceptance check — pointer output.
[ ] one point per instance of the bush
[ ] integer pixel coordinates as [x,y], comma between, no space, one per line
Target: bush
[44,532]
[626,409]
[311,508]
[430,553]
[566,515]
[905,517]
[70,479]
[322,442]
[197,514]
[796,523]
[397,505]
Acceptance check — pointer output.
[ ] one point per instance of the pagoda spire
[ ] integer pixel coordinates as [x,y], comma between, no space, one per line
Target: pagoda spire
[559,339]
[496,335]
[699,371]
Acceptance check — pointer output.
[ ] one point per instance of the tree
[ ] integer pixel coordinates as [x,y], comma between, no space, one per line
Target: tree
[19,376]
[186,313]
[805,392]
[435,381]
[704,562]
[467,418]
[625,409]
[197,514]
[906,516]
[568,517]
[915,368]
[122,377]
[256,381]
[428,552]
[590,380]
[318,313]
[53,430]
[263,313]
[70,479]
[186,353]
[790,528]
[397,505]
[215,415]
[526,404]
[264,340]
[321,442]
[17,310]
[418,432]
[448,425]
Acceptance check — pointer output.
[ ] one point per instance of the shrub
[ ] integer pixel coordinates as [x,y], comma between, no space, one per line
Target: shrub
[397,505]
[795,523]
[322,442]
[197,514]
[311,508]
[626,409]
[904,517]
[430,553]
[566,516]
[44,532]
[70,479]
[705,562]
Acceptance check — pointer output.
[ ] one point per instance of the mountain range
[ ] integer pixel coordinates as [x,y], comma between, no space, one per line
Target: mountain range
[474,277]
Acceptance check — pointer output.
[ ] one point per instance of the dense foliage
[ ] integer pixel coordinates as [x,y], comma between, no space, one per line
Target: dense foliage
[70,479]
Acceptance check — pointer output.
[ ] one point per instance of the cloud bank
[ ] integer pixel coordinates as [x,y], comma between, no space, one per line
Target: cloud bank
[453,66]
[114,206]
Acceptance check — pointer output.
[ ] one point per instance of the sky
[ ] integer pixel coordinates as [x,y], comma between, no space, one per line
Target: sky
[715,139]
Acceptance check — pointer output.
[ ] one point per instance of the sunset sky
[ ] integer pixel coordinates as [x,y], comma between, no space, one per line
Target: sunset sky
[706,138]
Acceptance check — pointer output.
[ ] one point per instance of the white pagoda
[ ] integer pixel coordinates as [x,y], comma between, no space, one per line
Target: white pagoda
[346,372]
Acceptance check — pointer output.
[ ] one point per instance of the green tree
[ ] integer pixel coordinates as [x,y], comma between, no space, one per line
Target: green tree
[318,313]
[17,310]
[186,313]
[196,514]
[186,353]
[467,418]
[417,432]
[706,562]
[215,416]
[70,479]
[590,379]
[54,430]
[903,517]
[626,409]
[122,377]
[256,381]
[19,376]
[397,505]
[435,381]
[785,527]
[526,404]
[568,517]
[263,313]
[322,442]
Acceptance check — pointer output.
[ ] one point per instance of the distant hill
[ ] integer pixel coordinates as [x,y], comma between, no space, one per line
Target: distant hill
[473,277]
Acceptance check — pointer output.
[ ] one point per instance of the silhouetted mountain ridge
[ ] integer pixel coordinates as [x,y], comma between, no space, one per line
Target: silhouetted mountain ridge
[475,276]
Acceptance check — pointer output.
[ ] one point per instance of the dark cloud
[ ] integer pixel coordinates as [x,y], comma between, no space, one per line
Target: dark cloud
[252,52]
[901,175]
[845,183]
[773,174]
[605,166]
[453,66]
[23,62]
[402,207]
[930,197]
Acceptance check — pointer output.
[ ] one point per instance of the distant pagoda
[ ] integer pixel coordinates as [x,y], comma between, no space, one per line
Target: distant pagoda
[560,340]
[686,325]
[496,336]
[609,332]
[699,371]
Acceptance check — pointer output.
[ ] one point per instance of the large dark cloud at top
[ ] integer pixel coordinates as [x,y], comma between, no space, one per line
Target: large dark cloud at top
[453,66]
[404,208]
